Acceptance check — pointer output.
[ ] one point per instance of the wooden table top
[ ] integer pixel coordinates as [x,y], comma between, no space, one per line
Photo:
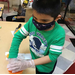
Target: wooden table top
[5,43]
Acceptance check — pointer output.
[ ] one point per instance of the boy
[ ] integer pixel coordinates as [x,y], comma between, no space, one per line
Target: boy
[20,17]
[46,38]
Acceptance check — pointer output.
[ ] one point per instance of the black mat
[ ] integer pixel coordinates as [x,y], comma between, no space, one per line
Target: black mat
[73,41]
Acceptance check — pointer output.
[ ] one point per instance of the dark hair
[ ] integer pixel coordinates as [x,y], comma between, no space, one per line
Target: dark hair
[48,7]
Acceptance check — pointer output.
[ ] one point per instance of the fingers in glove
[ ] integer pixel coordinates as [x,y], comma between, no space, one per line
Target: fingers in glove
[13,63]
[12,60]
[12,66]
[17,70]
[19,59]
[13,69]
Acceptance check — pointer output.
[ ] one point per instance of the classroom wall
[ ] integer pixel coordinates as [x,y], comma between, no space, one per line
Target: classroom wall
[12,2]
[72,5]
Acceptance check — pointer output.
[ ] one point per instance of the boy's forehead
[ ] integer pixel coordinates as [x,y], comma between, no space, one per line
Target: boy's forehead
[41,16]
[43,19]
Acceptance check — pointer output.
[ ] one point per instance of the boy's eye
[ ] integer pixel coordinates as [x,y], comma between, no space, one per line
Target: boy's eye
[35,18]
[44,20]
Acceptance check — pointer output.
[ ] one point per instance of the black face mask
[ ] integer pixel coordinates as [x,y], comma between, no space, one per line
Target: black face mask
[41,26]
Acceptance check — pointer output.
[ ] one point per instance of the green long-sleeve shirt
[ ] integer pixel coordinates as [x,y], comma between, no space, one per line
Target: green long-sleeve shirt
[41,43]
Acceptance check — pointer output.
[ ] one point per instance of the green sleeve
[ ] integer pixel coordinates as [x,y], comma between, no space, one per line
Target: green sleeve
[56,47]
[13,52]
[17,39]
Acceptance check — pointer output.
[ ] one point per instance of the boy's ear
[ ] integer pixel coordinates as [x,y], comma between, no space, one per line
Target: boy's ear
[58,17]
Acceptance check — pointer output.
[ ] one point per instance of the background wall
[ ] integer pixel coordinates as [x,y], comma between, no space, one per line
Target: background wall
[72,5]
[12,2]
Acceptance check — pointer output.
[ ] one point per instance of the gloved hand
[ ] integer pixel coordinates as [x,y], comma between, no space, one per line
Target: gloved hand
[12,59]
[19,65]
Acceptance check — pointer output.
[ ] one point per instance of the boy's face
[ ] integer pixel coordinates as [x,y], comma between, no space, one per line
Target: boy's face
[42,18]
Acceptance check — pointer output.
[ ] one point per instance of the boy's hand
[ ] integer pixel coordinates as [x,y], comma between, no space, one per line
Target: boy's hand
[18,17]
[12,59]
[19,64]
[15,9]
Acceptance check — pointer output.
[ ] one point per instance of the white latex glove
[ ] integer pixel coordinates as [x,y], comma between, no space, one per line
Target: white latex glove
[20,65]
[12,59]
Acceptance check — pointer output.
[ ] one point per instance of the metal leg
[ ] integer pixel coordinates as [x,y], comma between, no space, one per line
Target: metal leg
[2,18]
[8,6]
[68,2]
[62,20]
[73,41]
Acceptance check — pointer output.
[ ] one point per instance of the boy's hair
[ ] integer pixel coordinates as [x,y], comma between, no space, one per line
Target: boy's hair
[48,7]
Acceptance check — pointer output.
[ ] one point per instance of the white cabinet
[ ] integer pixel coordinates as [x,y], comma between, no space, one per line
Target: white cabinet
[14,2]
[72,5]
[11,2]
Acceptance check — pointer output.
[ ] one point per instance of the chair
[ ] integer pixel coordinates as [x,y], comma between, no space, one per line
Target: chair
[7,2]
[28,14]
[71,69]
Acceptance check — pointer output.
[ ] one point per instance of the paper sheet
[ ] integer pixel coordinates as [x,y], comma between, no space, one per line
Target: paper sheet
[12,33]
[26,56]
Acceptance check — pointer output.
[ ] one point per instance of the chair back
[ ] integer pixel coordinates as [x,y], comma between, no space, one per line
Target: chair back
[4,0]
[71,69]
[28,14]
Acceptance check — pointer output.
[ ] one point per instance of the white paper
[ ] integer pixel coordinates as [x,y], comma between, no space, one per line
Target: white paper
[12,33]
[26,56]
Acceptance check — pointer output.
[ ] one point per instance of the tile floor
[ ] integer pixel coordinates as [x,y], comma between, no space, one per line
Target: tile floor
[68,52]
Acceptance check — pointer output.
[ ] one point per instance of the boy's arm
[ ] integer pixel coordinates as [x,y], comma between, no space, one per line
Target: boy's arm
[18,17]
[17,39]
[22,17]
[54,52]
[23,64]
[42,60]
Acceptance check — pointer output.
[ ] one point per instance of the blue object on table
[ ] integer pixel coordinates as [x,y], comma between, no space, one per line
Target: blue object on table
[14,18]
[1,9]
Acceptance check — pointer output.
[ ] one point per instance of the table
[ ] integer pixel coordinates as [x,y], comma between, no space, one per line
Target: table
[5,43]
[1,12]
[7,2]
